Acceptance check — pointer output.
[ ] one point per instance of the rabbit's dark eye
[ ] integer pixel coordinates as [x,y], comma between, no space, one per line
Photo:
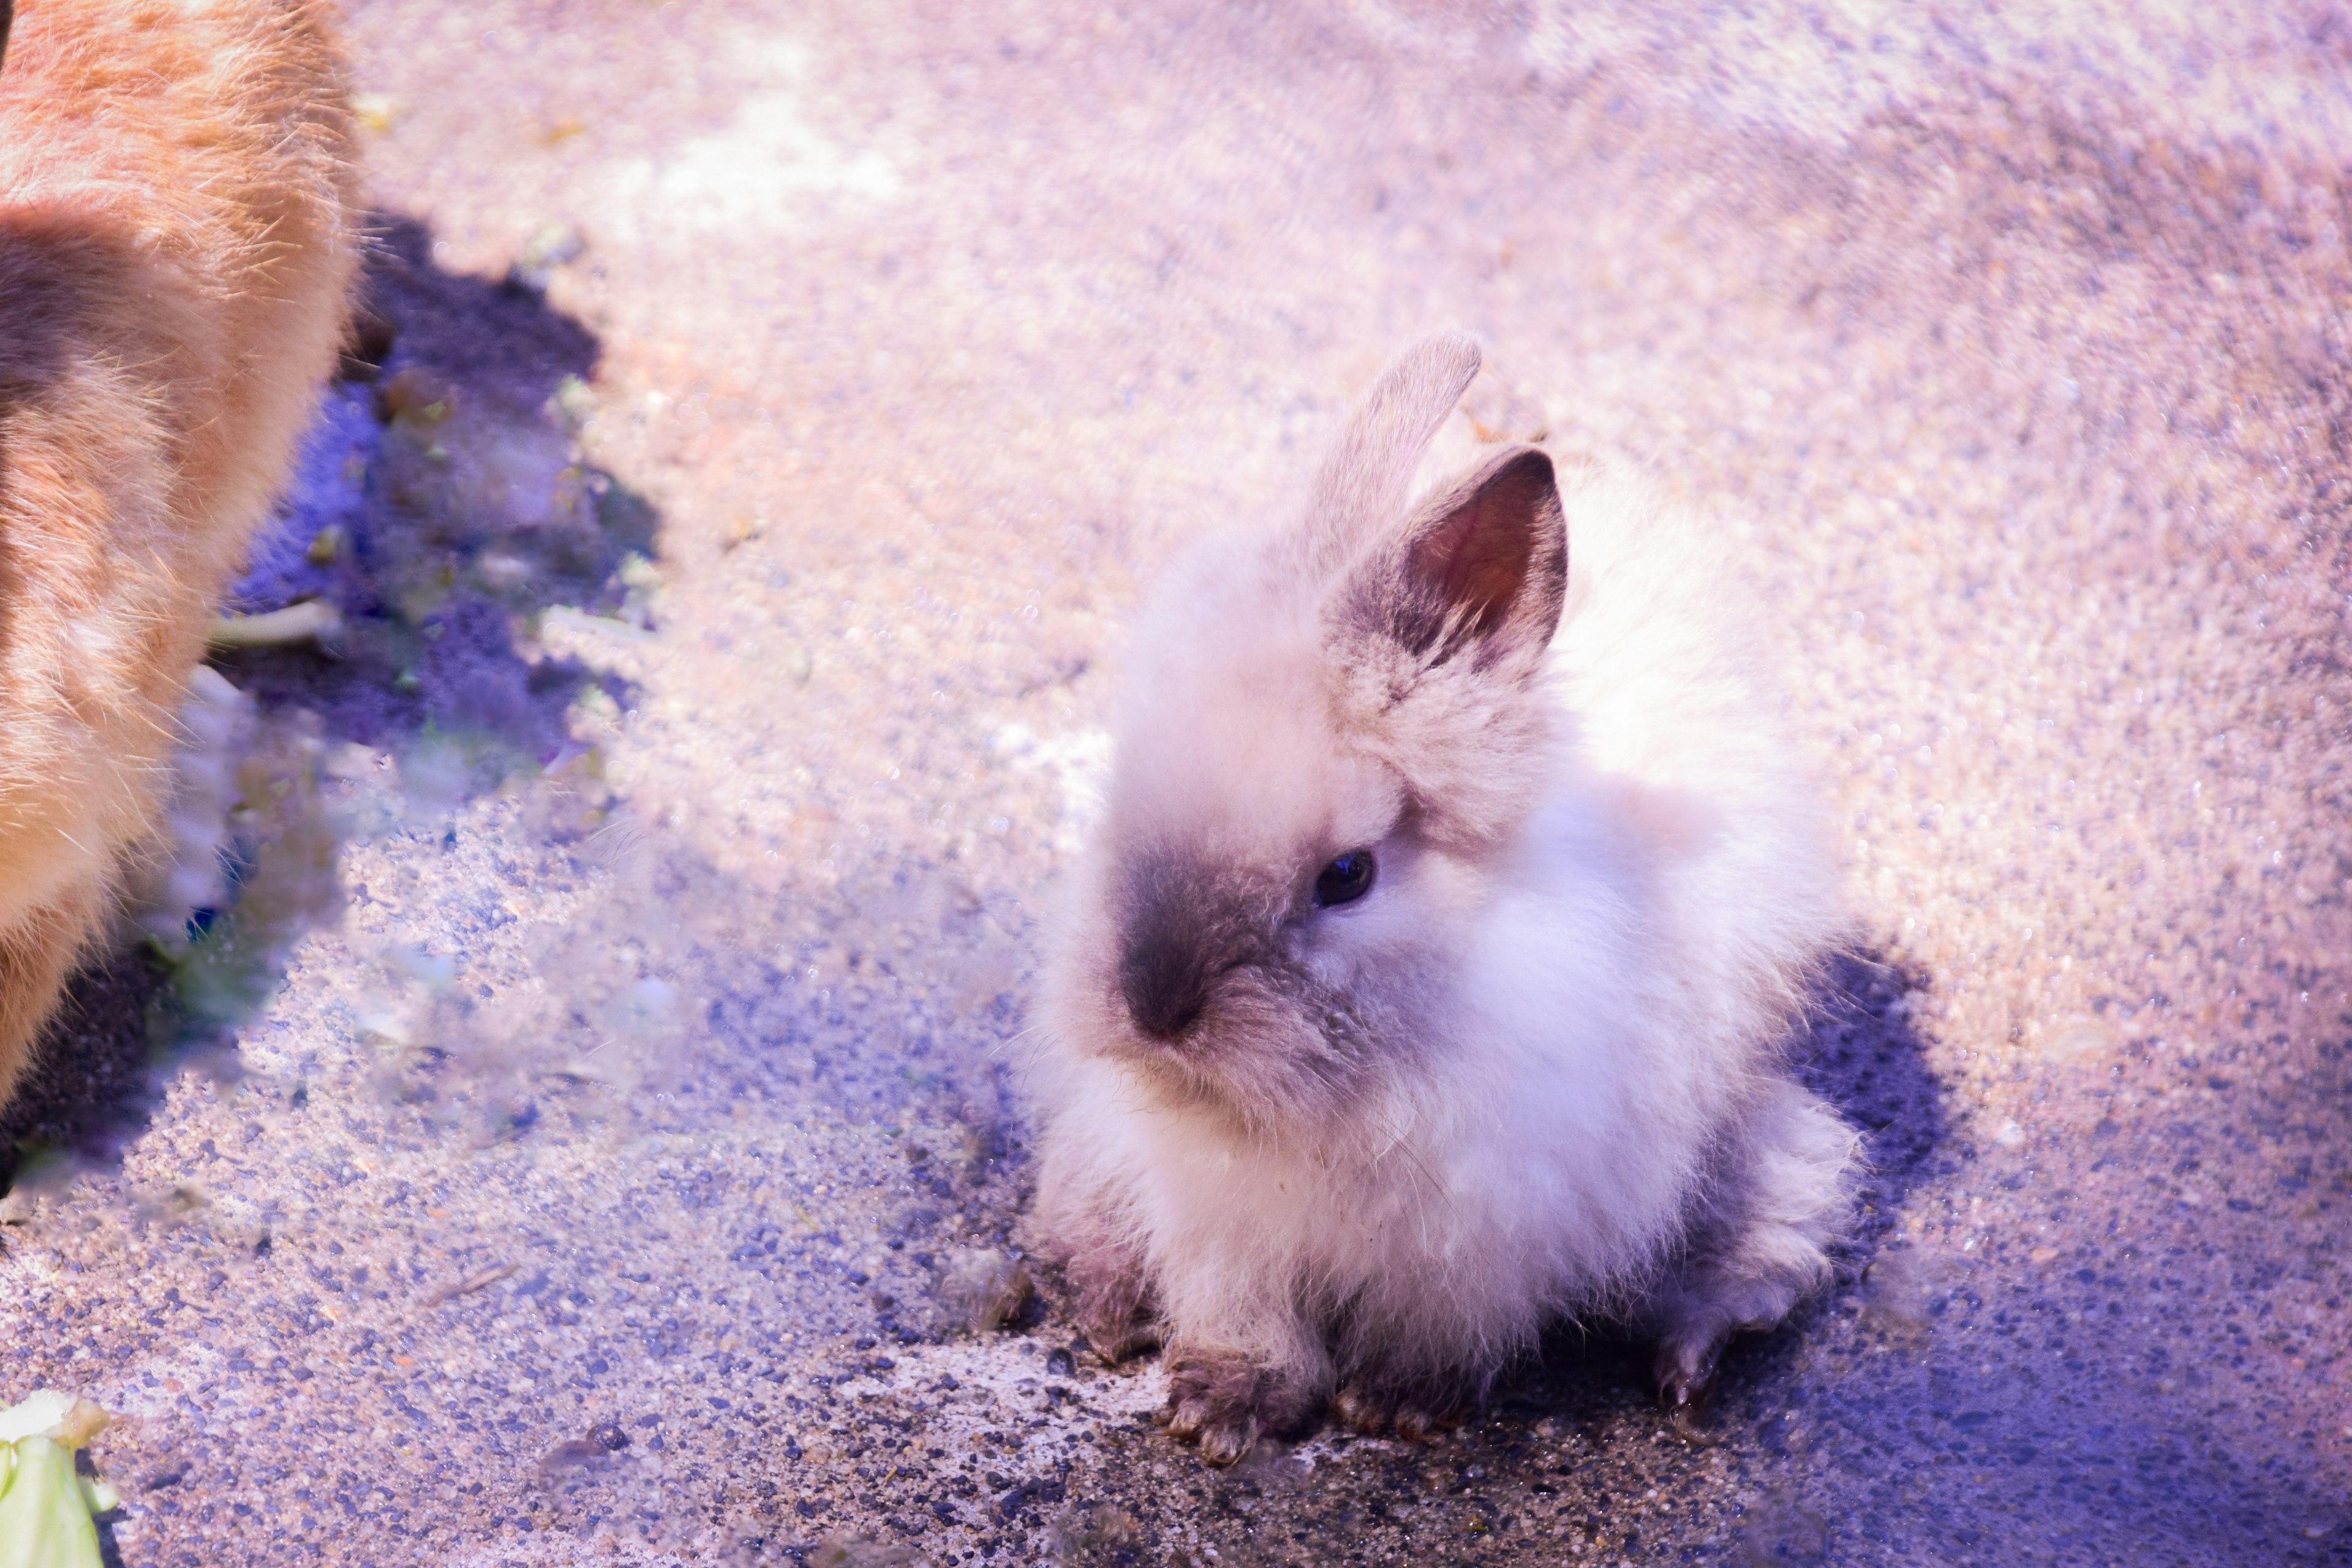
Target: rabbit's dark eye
[1345,880]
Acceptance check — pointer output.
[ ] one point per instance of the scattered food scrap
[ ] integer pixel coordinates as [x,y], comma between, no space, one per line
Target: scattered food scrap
[46,1510]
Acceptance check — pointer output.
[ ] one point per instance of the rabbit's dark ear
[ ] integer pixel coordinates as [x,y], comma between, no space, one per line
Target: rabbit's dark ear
[1363,484]
[1482,567]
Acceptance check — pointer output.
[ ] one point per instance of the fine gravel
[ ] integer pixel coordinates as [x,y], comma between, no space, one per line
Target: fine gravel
[593,1134]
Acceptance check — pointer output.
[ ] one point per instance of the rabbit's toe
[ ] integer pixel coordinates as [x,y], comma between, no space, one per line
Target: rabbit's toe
[1685,1368]
[1225,1400]
[1225,1442]
[1116,1344]
[1361,1411]
[1414,1414]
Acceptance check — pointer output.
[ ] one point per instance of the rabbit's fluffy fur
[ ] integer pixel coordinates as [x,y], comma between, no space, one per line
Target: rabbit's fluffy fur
[175,249]
[1370,1150]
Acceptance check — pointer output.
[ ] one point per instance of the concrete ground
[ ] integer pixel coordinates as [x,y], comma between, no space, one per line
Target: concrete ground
[774,413]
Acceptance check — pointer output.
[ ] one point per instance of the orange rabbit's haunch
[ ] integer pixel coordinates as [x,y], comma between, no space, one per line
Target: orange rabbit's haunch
[175,252]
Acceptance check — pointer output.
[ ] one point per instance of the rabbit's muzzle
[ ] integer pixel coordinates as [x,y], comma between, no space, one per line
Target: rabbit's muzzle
[1182,928]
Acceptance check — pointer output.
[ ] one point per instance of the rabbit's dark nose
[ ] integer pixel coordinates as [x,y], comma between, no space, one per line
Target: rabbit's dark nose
[1178,931]
[1165,987]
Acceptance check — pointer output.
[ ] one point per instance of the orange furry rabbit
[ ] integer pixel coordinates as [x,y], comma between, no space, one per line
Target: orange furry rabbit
[175,251]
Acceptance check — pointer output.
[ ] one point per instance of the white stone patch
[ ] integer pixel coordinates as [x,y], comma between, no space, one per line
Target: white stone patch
[1003,1378]
[1080,763]
[761,171]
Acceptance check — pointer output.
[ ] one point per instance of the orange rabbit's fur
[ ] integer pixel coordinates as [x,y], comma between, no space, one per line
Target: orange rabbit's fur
[175,252]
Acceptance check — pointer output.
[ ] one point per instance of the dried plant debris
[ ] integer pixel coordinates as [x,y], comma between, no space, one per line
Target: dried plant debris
[555,246]
[987,1289]
[857,1553]
[1093,1532]
[480,1278]
[310,621]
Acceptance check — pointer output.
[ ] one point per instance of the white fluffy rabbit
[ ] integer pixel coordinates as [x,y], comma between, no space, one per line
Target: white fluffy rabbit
[1429,975]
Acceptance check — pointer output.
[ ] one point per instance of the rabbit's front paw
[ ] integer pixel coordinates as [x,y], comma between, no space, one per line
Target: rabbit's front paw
[1225,1400]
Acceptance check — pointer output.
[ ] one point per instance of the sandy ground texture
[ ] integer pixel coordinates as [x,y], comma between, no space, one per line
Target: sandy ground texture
[590,1137]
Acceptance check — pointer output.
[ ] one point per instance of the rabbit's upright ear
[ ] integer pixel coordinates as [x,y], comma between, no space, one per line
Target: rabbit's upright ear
[1363,484]
[1481,568]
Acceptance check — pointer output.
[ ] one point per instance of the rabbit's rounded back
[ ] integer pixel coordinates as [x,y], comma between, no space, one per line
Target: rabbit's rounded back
[176,246]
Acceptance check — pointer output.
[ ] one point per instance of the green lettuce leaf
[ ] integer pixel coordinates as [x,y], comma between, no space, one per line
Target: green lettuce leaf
[45,1507]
